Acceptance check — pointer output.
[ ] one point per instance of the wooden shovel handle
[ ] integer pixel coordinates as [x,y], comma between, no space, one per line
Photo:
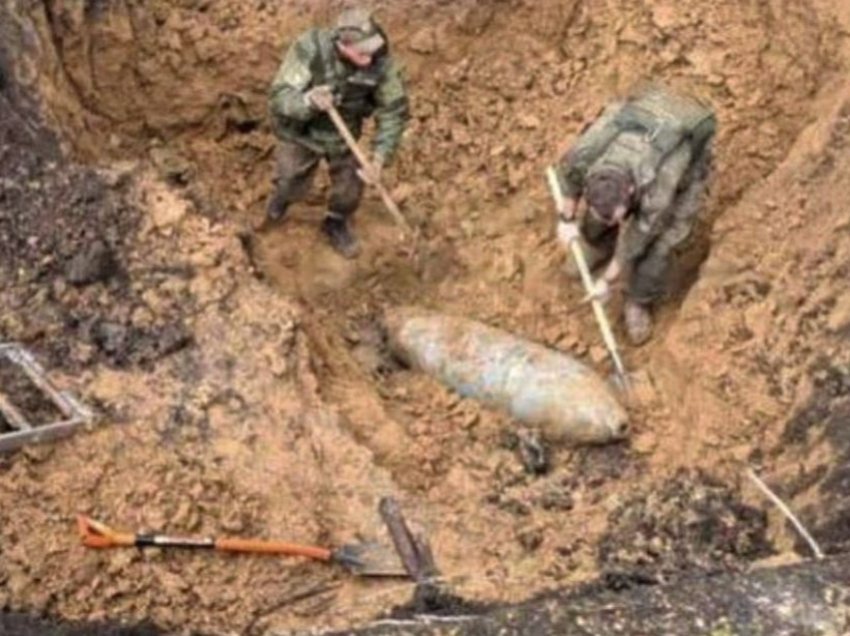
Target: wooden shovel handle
[587,281]
[364,162]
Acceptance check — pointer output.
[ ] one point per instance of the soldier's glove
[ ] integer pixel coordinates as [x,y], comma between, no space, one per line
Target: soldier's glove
[320,98]
[601,292]
[567,209]
[567,233]
[372,177]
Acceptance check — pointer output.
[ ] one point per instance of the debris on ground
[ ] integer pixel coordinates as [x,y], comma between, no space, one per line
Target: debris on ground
[691,523]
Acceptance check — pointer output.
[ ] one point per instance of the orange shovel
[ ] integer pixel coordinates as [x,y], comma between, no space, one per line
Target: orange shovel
[359,559]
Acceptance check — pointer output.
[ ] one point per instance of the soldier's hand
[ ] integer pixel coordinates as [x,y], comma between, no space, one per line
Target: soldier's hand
[567,209]
[373,175]
[601,291]
[320,97]
[567,232]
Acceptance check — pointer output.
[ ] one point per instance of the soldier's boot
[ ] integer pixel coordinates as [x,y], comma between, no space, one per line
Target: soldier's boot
[340,236]
[594,256]
[276,208]
[638,322]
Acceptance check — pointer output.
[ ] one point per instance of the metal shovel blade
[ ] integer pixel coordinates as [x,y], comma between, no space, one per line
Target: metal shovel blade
[370,559]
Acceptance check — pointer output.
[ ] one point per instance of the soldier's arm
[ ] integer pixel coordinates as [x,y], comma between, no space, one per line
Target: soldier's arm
[655,206]
[286,96]
[573,167]
[392,112]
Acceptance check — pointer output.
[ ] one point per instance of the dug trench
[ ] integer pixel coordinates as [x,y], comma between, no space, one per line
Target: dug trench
[242,391]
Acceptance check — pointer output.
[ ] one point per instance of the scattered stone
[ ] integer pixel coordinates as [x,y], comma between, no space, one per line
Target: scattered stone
[530,539]
[171,165]
[691,523]
[172,584]
[515,507]
[460,135]
[598,354]
[557,498]
[509,267]
[532,453]
[402,192]
[664,16]
[233,522]
[110,337]
[471,420]
[166,207]
[528,121]
[424,41]
[96,263]
[474,20]
[839,317]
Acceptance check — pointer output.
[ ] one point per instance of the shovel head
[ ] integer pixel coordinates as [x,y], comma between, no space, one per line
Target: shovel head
[370,559]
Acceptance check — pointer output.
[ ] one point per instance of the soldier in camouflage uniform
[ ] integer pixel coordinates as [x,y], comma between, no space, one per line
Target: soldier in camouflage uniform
[348,66]
[641,168]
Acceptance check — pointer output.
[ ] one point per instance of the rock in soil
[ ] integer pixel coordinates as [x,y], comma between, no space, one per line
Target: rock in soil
[94,264]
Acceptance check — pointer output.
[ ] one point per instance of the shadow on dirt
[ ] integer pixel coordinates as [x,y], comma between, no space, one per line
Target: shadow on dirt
[23,625]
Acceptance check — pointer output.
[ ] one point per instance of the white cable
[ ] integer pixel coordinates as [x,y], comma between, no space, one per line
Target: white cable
[787,512]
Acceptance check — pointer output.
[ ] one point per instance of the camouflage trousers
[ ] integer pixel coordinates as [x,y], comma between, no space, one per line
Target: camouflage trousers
[647,281]
[296,166]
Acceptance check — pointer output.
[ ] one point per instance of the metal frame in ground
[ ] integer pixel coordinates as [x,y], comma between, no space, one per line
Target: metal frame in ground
[75,415]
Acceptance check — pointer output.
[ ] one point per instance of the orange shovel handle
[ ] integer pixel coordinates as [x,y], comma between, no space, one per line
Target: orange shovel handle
[98,535]
[273,547]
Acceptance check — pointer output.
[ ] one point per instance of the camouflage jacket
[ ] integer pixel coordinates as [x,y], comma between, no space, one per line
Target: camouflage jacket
[378,90]
[655,136]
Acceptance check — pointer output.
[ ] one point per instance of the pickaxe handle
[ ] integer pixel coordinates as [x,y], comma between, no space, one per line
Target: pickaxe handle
[587,280]
[364,162]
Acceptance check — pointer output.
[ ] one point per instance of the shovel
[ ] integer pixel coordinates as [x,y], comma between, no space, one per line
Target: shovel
[359,559]
[366,165]
[622,377]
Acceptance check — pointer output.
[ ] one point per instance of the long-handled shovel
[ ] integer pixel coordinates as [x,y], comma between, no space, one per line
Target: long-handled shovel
[587,280]
[359,559]
[366,165]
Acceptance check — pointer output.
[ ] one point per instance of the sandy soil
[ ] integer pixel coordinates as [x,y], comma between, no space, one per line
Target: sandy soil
[237,379]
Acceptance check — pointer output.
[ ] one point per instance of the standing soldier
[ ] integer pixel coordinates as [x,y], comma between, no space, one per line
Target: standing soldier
[641,168]
[349,67]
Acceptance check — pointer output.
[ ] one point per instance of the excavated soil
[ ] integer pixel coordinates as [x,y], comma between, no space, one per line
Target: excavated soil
[240,380]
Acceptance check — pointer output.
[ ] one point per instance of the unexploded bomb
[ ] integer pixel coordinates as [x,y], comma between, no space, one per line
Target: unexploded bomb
[536,385]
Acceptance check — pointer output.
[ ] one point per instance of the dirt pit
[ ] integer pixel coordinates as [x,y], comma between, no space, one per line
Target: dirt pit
[238,379]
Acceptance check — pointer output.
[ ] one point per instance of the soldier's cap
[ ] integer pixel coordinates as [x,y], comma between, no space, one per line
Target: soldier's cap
[356,27]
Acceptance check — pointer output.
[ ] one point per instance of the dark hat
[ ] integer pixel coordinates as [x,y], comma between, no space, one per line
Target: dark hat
[356,27]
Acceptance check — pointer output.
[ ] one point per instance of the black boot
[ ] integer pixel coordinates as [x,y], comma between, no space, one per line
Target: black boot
[276,206]
[340,236]
[275,211]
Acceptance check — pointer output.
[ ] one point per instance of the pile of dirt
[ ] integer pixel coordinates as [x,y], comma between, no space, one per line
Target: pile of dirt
[759,354]
[817,437]
[67,238]
[692,523]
